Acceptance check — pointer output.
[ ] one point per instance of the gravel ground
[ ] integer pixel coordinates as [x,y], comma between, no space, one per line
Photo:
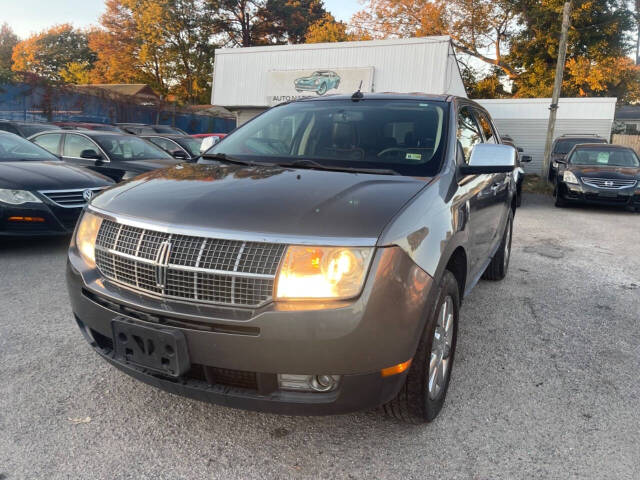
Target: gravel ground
[545,383]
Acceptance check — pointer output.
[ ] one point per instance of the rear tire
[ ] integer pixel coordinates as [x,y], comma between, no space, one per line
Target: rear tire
[424,391]
[497,269]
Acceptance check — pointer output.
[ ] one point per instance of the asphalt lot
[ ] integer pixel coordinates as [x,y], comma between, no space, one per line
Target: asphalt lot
[546,381]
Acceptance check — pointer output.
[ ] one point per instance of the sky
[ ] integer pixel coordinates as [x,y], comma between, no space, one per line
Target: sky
[30,16]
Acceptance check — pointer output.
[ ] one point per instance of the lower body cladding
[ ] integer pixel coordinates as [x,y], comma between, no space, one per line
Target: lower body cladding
[37,219]
[307,358]
[581,193]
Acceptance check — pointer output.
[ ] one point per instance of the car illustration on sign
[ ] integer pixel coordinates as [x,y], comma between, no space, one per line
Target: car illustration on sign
[319,81]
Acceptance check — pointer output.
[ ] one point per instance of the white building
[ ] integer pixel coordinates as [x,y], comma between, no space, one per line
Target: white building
[249,80]
[526,119]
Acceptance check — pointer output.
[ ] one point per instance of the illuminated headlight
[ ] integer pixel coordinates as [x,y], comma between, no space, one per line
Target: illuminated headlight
[18,197]
[322,272]
[86,234]
[569,177]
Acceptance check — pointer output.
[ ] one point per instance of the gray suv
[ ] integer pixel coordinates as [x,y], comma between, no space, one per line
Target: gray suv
[313,262]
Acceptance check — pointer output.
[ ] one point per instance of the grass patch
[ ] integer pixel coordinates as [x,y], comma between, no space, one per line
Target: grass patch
[536,184]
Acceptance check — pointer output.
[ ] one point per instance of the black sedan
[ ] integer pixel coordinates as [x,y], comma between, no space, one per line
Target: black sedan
[39,194]
[599,173]
[116,155]
[178,146]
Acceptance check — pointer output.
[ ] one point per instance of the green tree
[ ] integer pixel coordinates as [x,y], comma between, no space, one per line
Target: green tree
[287,21]
[8,40]
[50,52]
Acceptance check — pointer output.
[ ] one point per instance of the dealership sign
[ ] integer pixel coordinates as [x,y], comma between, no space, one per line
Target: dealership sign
[286,85]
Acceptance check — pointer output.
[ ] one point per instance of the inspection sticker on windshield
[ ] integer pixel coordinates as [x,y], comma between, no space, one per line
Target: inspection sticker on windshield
[603,157]
[413,156]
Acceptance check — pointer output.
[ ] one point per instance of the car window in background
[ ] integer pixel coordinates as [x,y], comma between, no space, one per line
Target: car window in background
[75,144]
[487,129]
[167,129]
[468,132]
[33,128]
[125,147]
[7,127]
[192,145]
[611,157]
[14,148]
[406,136]
[49,141]
[164,143]
[564,146]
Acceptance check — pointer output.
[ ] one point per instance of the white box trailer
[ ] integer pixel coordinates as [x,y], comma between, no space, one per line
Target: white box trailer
[526,119]
[249,80]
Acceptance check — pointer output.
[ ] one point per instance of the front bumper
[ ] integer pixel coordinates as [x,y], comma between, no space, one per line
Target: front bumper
[57,220]
[307,87]
[581,193]
[354,339]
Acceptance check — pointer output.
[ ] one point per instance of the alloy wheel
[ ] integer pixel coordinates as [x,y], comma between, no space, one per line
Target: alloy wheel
[441,349]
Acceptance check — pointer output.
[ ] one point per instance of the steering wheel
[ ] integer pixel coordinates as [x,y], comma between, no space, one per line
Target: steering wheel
[390,150]
[267,145]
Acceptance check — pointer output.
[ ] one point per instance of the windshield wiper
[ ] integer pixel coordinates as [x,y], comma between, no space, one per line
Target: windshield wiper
[229,159]
[313,165]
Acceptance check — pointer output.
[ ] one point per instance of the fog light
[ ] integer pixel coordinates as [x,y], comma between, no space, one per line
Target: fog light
[308,383]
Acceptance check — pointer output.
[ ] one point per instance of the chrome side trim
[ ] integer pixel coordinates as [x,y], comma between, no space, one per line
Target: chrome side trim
[242,236]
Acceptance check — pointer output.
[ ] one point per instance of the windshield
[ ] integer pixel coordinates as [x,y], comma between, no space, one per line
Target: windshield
[564,146]
[612,157]
[406,136]
[14,148]
[33,128]
[128,147]
[191,144]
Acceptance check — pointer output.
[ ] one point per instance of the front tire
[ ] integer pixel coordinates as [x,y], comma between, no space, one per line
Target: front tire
[497,269]
[322,89]
[559,202]
[423,394]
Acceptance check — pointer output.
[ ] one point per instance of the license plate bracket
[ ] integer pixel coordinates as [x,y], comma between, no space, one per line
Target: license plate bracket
[163,350]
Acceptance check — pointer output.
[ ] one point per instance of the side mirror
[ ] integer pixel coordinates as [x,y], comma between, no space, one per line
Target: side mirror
[90,154]
[208,142]
[520,150]
[180,154]
[490,158]
[525,158]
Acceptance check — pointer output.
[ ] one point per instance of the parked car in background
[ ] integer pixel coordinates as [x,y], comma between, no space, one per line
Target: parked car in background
[562,146]
[146,129]
[25,129]
[320,81]
[308,267]
[184,147]
[116,155]
[209,140]
[597,173]
[102,127]
[39,194]
[518,173]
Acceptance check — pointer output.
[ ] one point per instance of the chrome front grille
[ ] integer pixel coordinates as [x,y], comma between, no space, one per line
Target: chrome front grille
[70,198]
[612,183]
[197,269]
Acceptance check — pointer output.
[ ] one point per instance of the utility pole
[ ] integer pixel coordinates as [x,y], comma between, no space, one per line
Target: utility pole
[557,87]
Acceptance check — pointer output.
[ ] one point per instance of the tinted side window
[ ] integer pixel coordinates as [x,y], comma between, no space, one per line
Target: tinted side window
[468,132]
[487,128]
[7,127]
[50,142]
[75,144]
[164,144]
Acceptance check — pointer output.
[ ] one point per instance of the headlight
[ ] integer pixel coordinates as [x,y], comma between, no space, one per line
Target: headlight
[323,272]
[555,164]
[86,237]
[569,177]
[17,197]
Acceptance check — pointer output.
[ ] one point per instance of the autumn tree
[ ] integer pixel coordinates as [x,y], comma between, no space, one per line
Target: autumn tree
[52,52]
[597,49]
[328,29]
[287,21]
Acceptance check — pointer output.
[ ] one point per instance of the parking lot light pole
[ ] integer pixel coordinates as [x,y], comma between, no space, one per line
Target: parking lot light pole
[557,87]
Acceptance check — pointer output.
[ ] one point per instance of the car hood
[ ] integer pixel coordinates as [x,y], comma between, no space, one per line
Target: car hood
[51,175]
[142,166]
[604,171]
[263,200]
